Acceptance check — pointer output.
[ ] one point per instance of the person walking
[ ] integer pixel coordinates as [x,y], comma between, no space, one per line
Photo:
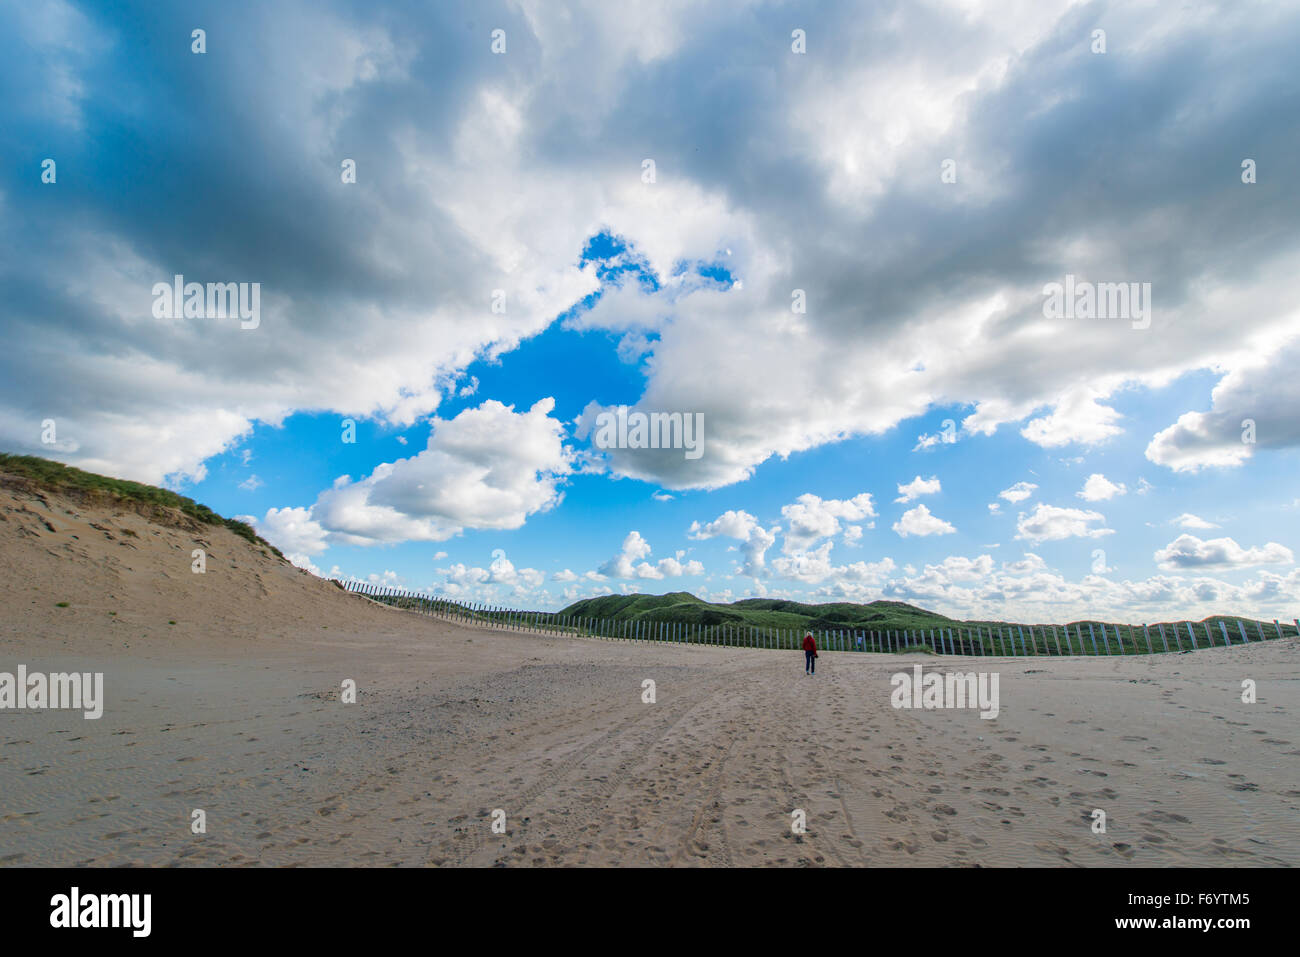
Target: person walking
[809,654]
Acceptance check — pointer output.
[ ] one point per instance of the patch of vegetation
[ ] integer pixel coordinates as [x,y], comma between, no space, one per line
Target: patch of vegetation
[765,614]
[60,604]
[56,476]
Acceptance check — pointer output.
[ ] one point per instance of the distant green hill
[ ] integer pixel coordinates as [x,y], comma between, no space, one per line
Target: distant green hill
[880,616]
[685,608]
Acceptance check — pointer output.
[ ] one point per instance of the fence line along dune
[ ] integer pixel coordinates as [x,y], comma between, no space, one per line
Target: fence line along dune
[224,693]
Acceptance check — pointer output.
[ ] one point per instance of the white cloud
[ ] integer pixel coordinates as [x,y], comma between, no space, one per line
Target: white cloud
[629,562]
[918,487]
[1098,488]
[499,580]
[1255,405]
[810,518]
[815,566]
[1027,565]
[1077,417]
[919,521]
[1048,523]
[292,530]
[1188,520]
[1188,551]
[732,524]
[1044,596]
[744,527]
[489,467]
[1018,492]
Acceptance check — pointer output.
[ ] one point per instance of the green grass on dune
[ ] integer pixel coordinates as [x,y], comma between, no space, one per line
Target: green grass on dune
[56,476]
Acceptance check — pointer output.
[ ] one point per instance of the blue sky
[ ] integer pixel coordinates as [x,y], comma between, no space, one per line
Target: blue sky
[670,209]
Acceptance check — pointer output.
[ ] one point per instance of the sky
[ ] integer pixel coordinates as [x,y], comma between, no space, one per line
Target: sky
[988,308]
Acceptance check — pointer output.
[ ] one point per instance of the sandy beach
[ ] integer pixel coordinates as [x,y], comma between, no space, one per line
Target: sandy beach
[235,709]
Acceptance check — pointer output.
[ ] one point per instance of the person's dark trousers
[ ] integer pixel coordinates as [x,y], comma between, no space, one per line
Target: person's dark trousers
[809,663]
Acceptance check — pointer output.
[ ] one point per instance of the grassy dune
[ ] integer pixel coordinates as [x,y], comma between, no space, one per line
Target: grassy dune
[57,477]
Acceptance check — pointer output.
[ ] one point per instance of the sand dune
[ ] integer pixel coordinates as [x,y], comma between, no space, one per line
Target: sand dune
[235,709]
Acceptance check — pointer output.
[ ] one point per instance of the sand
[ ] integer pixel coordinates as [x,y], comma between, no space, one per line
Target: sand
[235,710]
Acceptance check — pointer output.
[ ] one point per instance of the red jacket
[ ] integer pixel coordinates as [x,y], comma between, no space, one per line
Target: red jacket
[809,644]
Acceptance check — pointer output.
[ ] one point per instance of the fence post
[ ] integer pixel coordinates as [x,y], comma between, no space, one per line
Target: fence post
[1242,629]
[1227,642]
